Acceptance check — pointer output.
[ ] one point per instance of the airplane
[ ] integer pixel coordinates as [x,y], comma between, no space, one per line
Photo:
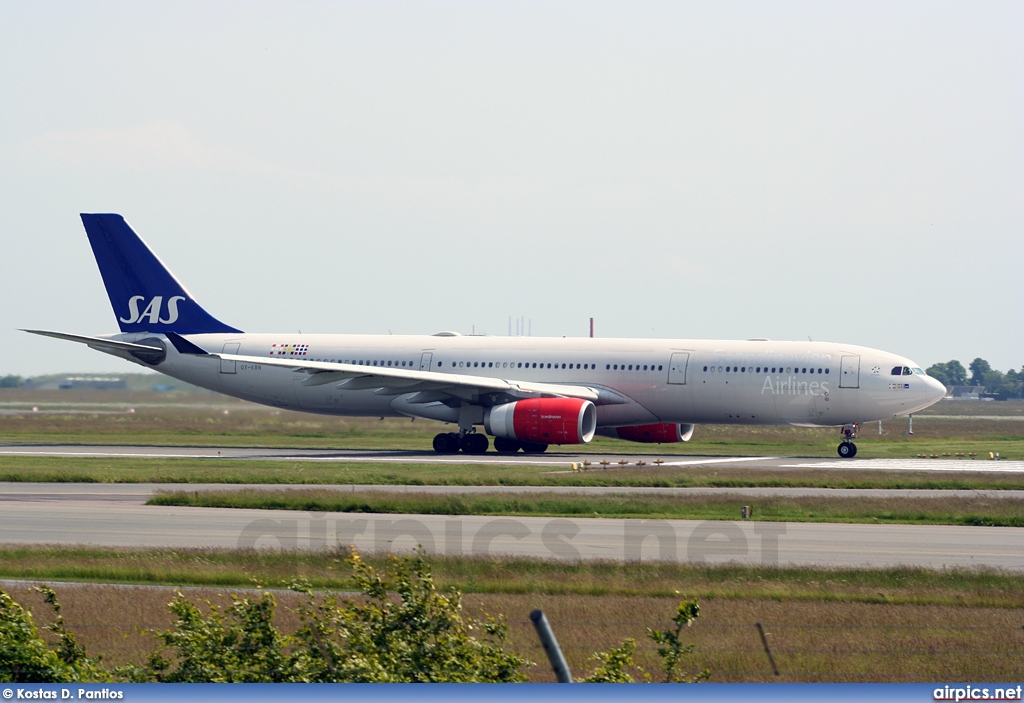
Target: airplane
[526,392]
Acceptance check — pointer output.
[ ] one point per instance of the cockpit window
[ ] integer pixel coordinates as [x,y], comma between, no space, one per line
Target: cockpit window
[897,370]
[907,371]
[918,371]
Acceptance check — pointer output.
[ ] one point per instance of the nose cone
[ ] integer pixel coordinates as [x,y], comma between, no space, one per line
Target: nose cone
[936,391]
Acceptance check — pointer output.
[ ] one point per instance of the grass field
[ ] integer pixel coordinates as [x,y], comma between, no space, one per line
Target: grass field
[974,510]
[199,419]
[823,625]
[842,625]
[237,471]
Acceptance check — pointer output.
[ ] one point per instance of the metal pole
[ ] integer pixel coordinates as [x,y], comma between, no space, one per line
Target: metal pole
[551,648]
[764,641]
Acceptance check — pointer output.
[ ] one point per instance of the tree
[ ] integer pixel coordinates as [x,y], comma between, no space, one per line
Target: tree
[957,373]
[979,368]
[952,373]
[11,381]
[938,372]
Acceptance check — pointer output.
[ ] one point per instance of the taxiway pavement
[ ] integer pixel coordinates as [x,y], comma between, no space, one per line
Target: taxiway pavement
[551,459]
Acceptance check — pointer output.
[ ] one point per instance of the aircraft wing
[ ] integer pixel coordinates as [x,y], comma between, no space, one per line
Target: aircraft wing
[428,385]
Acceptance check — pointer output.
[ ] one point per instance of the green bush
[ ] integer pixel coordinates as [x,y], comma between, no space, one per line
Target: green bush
[613,666]
[26,657]
[402,629]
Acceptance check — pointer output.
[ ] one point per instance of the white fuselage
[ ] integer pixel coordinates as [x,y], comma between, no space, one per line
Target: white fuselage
[658,380]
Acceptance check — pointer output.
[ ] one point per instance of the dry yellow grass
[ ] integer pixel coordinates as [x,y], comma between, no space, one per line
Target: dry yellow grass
[811,641]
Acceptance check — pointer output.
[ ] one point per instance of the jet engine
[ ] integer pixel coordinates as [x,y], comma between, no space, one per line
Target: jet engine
[661,433]
[544,420]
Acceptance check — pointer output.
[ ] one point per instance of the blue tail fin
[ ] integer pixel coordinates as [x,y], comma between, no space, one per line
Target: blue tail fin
[146,296]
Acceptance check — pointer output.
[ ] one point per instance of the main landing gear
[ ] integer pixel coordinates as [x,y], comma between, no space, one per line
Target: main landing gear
[504,445]
[467,442]
[477,443]
[847,449]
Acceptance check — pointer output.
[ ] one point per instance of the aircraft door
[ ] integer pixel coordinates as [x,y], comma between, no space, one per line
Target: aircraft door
[677,368]
[227,366]
[425,360]
[849,372]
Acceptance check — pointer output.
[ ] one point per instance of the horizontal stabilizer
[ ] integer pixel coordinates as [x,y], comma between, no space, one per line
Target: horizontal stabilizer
[100,342]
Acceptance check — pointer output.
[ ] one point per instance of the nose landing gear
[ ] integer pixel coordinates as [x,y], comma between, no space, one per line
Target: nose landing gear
[847,449]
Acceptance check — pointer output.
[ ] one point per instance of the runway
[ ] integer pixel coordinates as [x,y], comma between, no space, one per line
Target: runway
[139,493]
[557,460]
[113,515]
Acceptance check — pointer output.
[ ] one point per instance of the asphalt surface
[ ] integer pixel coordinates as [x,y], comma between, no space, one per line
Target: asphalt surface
[119,524]
[114,515]
[552,459]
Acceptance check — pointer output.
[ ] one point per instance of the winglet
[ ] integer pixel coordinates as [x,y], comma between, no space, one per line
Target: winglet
[184,346]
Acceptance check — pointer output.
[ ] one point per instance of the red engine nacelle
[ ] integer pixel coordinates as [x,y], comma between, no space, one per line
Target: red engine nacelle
[662,433]
[544,420]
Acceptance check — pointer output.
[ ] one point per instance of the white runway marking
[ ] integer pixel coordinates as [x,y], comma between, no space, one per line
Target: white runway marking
[984,466]
[107,455]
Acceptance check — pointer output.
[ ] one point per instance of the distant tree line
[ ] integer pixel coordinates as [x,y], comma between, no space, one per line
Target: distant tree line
[11,381]
[997,384]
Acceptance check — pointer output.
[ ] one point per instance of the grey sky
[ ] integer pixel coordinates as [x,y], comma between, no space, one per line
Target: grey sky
[852,171]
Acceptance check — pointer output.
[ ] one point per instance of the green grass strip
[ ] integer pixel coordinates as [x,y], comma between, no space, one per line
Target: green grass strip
[327,570]
[244,471]
[913,511]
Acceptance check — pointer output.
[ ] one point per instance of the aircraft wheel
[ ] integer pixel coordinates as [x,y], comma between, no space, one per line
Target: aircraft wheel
[504,445]
[534,447]
[474,443]
[847,450]
[446,443]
